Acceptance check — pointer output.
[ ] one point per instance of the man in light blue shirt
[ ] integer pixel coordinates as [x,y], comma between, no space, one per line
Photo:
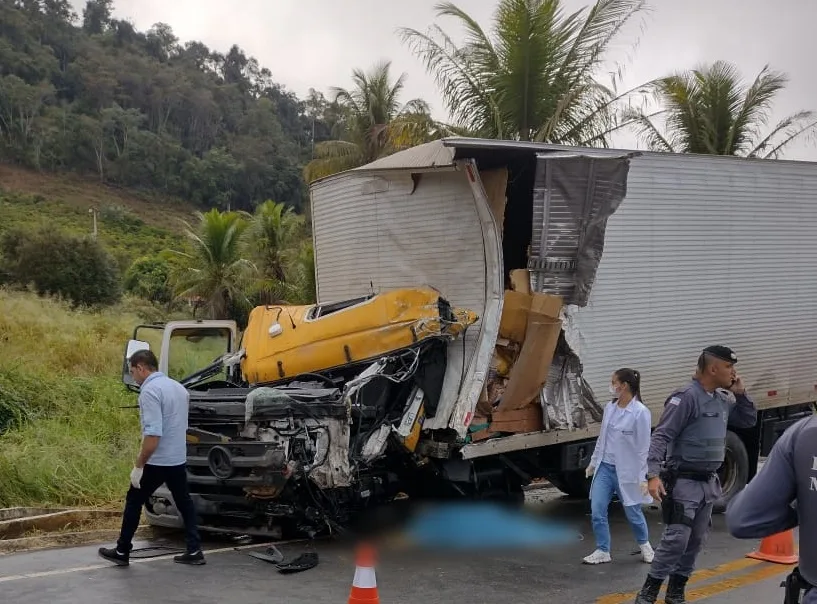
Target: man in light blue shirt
[163,407]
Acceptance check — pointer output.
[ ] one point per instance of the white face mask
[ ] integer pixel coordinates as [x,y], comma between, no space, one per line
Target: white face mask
[613,391]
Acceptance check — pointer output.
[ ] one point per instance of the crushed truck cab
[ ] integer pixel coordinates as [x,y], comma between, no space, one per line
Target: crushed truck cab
[313,415]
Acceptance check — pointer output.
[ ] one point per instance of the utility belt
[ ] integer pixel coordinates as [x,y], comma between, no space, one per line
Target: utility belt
[670,476]
[673,512]
[795,586]
[697,476]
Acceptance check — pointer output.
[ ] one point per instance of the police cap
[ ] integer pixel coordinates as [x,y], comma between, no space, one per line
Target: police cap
[722,352]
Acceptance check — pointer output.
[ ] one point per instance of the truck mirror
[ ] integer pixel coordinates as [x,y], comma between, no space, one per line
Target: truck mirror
[132,348]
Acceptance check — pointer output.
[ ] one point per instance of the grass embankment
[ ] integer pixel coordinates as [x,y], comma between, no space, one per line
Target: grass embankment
[129,224]
[69,442]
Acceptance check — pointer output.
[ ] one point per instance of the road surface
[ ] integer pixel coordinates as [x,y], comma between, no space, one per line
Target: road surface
[77,576]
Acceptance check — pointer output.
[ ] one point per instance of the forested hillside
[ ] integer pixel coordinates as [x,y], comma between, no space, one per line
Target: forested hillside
[91,94]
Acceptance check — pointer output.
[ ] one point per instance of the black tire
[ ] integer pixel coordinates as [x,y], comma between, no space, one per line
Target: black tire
[572,484]
[734,473]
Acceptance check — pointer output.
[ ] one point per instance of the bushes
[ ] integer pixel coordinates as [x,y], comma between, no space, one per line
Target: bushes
[76,268]
[148,278]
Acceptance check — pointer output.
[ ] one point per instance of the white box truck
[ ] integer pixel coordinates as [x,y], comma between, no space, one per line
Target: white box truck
[655,256]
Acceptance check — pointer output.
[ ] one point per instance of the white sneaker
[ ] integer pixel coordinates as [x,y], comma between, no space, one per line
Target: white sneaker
[647,553]
[598,557]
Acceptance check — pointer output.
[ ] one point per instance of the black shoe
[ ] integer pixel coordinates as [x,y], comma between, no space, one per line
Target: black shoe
[675,589]
[115,556]
[649,592]
[188,558]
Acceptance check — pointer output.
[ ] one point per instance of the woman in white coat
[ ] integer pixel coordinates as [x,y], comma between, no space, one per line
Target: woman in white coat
[619,465]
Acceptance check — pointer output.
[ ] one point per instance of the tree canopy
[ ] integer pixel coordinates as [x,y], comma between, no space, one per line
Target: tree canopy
[92,94]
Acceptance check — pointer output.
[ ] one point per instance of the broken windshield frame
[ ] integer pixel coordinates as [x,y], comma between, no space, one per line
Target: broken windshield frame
[195,354]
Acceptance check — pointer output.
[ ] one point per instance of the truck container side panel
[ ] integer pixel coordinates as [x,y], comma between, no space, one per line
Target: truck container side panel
[708,251]
[383,231]
[573,198]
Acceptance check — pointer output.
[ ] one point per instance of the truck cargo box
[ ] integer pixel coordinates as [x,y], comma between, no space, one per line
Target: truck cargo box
[656,256]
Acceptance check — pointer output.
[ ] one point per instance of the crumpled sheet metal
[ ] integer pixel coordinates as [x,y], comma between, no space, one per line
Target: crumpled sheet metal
[567,398]
[572,200]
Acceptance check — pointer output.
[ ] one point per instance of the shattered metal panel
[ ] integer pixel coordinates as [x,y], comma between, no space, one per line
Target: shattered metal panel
[402,235]
[573,198]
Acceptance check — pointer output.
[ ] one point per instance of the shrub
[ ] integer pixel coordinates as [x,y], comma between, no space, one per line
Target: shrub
[79,269]
[147,278]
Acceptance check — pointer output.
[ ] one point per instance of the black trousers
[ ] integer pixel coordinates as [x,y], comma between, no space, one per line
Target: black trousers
[175,477]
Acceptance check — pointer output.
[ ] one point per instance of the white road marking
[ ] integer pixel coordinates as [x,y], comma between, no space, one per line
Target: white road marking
[79,569]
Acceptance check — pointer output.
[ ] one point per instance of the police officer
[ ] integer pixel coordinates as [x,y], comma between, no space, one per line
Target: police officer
[766,506]
[691,436]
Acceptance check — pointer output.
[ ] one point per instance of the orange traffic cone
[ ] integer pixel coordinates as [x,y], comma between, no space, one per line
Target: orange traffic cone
[364,585]
[777,548]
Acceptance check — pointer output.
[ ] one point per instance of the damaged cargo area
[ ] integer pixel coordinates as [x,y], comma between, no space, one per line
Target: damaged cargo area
[535,381]
[317,416]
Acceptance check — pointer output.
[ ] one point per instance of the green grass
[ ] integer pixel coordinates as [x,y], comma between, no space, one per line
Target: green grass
[130,225]
[69,441]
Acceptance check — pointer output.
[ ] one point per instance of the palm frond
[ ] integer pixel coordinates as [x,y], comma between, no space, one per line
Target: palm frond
[648,131]
[459,76]
[534,76]
[795,126]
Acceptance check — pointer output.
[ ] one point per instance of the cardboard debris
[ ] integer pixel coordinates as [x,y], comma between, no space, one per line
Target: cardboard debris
[520,281]
[514,320]
[530,371]
[528,334]
[527,419]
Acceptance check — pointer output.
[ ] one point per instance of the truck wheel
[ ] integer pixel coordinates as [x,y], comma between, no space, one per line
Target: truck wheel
[572,484]
[734,473]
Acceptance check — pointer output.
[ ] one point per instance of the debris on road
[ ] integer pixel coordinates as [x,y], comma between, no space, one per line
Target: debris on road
[274,556]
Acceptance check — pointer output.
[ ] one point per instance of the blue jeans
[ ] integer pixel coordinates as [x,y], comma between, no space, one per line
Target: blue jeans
[605,485]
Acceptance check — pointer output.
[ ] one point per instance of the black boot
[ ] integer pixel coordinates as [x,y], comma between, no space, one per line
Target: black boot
[649,593]
[675,589]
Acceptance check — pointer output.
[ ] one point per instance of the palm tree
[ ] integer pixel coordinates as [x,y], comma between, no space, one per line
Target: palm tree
[710,110]
[534,77]
[274,237]
[302,275]
[374,122]
[216,270]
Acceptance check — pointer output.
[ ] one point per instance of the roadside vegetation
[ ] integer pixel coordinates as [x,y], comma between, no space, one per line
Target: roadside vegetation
[66,438]
[195,165]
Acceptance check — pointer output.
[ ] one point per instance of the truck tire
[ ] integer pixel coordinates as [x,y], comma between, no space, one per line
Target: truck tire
[734,473]
[572,484]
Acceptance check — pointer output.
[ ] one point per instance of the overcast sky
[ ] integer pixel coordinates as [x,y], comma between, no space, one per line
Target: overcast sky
[316,43]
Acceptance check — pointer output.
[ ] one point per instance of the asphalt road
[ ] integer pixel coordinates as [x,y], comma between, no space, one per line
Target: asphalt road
[76,575]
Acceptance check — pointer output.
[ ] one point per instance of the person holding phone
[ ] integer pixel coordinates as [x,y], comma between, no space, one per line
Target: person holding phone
[690,442]
[619,465]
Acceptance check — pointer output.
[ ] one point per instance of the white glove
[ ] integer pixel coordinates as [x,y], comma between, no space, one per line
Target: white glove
[589,471]
[645,490]
[136,477]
